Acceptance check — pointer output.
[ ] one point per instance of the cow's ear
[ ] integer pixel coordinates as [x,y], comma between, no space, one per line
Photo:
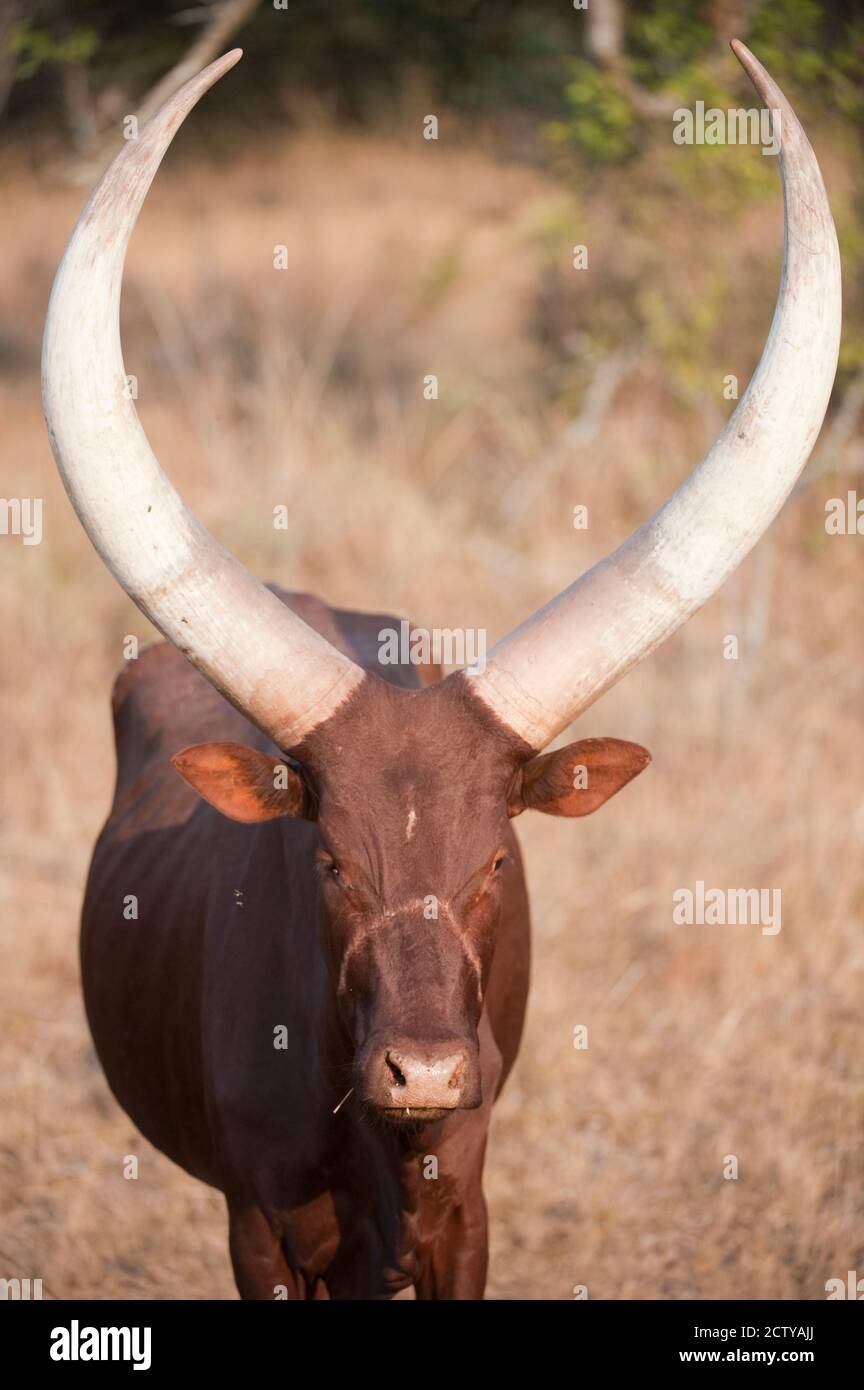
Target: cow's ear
[244,784]
[576,780]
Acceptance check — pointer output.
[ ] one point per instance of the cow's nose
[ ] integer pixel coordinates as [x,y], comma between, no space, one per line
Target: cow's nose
[420,1078]
[425,1078]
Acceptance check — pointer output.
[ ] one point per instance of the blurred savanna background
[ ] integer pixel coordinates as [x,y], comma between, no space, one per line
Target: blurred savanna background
[306,387]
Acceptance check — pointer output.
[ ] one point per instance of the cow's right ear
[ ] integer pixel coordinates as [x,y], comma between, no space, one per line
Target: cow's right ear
[244,784]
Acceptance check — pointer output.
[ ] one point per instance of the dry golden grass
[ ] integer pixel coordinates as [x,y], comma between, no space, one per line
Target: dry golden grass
[304,387]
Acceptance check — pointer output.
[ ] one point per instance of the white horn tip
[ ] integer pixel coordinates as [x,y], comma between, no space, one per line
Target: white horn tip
[765,85]
[225,62]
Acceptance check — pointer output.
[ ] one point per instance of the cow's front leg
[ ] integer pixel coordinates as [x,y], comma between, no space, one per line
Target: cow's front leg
[260,1268]
[455,1265]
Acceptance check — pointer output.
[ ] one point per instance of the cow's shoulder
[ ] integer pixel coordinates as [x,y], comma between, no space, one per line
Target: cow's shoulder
[161,704]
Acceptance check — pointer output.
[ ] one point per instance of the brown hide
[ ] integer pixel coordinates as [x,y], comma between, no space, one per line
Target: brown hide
[293,984]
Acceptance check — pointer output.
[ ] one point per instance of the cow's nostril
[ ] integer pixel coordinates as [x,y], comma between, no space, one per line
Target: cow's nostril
[458,1073]
[391,1061]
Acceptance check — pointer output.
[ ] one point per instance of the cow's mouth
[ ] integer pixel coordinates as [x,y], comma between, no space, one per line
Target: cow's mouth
[405,1116]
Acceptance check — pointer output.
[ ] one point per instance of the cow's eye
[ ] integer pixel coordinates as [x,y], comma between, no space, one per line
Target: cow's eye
[501,859]
[328,868]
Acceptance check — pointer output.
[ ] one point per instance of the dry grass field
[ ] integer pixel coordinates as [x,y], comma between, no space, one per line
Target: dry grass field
[305,387]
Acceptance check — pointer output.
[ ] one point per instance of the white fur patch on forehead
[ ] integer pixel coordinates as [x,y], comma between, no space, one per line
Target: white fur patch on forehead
[410,825]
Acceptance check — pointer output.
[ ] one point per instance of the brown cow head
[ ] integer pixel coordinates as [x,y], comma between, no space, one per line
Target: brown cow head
[412,792]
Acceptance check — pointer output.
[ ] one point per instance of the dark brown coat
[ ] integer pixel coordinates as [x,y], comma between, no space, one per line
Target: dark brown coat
[369,915]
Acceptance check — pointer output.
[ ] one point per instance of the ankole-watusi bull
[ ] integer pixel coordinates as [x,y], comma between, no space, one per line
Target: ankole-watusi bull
[330,897]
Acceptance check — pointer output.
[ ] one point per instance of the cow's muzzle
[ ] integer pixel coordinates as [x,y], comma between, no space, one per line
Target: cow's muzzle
[409,1082]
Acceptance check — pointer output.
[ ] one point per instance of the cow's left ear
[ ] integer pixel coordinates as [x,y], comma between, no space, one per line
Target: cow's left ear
[243,783]
[576,780]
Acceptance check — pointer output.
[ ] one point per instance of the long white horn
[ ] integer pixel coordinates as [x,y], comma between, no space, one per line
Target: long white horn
[553,666]
[260,655]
